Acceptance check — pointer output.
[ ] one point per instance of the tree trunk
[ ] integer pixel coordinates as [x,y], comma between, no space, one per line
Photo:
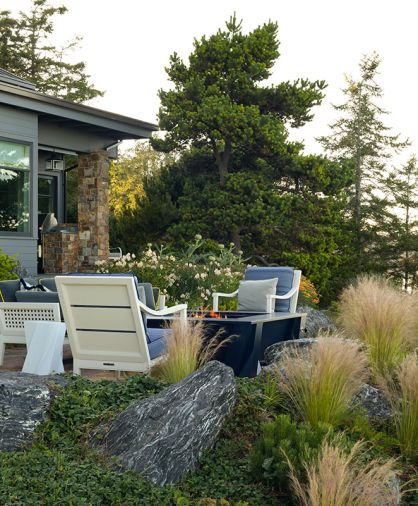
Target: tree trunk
[236,239]
[222,161]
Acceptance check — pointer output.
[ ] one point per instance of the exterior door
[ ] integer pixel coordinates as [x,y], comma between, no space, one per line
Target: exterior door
[47,197]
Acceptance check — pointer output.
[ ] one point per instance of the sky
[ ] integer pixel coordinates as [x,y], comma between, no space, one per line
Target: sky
[127,43]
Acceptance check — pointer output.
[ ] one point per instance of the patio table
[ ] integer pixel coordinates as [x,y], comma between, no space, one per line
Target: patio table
[249,335]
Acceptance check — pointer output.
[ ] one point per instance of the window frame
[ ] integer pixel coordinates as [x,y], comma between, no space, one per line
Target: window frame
[29,233]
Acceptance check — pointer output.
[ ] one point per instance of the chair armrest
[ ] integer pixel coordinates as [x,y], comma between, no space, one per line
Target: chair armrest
[179,308]
[216,296]
[287,295]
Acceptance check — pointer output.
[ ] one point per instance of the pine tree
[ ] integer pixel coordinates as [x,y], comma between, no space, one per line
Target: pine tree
[25,50]
[402,244]
[361,137]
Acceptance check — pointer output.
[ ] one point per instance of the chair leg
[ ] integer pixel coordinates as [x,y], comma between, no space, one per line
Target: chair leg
[76,369]
[2,350]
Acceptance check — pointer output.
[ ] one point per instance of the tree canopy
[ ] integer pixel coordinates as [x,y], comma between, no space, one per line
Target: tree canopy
[217,100]
[26,50]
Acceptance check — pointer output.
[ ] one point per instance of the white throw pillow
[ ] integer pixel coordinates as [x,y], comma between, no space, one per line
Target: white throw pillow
[252,295]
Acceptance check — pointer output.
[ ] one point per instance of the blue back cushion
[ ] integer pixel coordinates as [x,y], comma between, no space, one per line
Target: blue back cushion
[32,296]
[149,294]
[8,290]
[284,283]
[49,283]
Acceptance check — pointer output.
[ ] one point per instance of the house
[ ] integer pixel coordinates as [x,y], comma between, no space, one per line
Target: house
[37,133]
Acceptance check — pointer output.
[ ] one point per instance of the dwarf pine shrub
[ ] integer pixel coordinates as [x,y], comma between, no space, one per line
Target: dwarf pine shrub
[284,442]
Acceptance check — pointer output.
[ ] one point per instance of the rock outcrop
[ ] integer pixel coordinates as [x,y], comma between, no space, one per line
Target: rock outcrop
[374,403]
[24,401]
[163,437]
[316,321]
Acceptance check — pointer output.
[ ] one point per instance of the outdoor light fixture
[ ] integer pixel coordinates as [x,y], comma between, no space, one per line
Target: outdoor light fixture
[55,161]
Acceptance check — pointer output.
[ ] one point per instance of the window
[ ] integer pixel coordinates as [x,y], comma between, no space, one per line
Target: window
[14,187]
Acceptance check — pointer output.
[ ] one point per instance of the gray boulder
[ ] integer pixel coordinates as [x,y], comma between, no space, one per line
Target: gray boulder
[163,437]
[274,352]
[24,401]
[316,321]
[374,403]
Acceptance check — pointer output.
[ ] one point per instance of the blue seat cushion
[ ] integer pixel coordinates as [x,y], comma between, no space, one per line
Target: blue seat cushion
[155,334]
[284,283]
[158,340]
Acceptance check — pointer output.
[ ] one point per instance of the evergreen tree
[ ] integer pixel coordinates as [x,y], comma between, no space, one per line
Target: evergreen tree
[218,105]
[25,50]
[401,243]
[361,136]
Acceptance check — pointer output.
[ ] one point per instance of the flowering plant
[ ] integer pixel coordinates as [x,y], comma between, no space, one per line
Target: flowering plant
[193,274]
[190,276]
[308,296]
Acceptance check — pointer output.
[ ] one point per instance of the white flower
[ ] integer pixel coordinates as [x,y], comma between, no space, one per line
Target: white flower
[133,256]
[198,237]
[196,276]
[217,272]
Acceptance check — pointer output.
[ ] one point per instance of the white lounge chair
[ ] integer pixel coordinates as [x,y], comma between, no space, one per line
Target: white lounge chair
[13,316]
[105,323]
[286,298]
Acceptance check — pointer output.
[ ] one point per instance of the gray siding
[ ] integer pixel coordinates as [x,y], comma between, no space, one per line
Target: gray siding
[26,249]
[19,125]
[23,126]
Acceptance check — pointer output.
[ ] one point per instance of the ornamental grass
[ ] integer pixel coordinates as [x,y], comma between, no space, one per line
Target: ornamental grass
[383,318]
[187,349]
[339,478]
[318,384]
[402,392]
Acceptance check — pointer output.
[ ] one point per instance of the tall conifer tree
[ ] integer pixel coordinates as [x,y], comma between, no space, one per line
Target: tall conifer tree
[25,50]
[361,136]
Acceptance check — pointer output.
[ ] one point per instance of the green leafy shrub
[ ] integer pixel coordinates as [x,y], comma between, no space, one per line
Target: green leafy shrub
[359,428]
[284,441]
[8,266]
[84,403]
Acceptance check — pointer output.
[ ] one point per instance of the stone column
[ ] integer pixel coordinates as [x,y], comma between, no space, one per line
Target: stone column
[93,209]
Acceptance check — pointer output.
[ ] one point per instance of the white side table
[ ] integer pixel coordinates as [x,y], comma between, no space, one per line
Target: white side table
[44,342]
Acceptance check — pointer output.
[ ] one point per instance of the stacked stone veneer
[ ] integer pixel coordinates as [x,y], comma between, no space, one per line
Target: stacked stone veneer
[60,249]
[78,247]
[93,209]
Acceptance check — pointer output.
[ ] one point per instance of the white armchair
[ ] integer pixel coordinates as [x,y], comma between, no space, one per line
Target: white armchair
[283,274]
